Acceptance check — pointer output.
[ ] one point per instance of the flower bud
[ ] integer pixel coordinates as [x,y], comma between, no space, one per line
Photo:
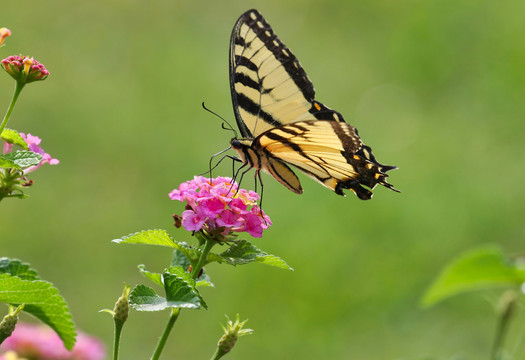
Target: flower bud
[232,332]
[24,69]
[121,309]
[8,323]
[4,32]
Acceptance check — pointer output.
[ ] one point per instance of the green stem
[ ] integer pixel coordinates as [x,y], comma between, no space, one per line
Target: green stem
[218,354]
[18,88]
[207,247]
[116,340]
[509,300]
[162,341]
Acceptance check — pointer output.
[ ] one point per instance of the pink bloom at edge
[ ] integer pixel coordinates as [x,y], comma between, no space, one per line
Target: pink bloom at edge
[40,342]
[4,32]
[33,142]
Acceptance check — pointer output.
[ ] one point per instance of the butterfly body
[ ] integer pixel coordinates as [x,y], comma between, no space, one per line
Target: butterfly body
[281,122]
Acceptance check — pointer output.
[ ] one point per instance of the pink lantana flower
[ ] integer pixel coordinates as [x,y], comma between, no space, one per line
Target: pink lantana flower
[24,69]
[33,142]
[217,206]
[4,32]
[41,343]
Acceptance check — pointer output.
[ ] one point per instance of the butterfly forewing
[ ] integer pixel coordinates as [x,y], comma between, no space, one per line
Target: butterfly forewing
[269,87]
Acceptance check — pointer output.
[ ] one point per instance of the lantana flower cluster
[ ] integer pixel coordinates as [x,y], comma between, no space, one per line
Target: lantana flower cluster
[24,69]
[38,342]
[218,206]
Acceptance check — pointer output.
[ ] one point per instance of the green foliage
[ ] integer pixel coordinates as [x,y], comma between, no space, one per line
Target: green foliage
[13,137]
[478,269]
[179,259]
[17,268]
[179,290]
[240,252]
[244,252]
[40,298]
[20,159]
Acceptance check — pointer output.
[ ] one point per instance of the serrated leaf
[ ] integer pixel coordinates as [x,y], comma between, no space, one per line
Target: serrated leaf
[22,158]
[156,237]
[179,259]
[244,252]
[180,289]
[143,298]
[478,269]
[155,277]
[180,293]
[13,137]
[17,268]
[41,300]
[149,237]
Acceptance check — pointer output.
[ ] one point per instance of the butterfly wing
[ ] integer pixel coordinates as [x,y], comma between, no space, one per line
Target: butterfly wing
[269,88]
[274,105]
[330,152]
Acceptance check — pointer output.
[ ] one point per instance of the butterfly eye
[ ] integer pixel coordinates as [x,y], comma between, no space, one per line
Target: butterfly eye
[236,144]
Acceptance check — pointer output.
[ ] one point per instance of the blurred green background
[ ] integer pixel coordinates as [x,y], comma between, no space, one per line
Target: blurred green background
[434,87]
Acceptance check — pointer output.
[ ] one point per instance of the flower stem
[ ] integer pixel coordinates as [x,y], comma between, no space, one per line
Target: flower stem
[162,341]
[207,247]
[18,88]
[218,354]
[508,301]
[116,340]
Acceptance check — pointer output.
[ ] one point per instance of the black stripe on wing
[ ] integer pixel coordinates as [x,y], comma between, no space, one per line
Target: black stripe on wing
[261,30]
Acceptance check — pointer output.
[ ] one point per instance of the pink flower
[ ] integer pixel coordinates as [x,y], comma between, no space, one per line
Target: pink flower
[218,206]
[42,343]
[24,69]
[33,142]
[4,32]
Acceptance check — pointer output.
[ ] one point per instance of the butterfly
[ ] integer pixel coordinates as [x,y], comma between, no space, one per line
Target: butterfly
[282,124]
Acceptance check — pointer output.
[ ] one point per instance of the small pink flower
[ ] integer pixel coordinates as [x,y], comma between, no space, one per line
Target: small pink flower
[218,206]
[24,69]
[33,142]
[42,343]
[4,32]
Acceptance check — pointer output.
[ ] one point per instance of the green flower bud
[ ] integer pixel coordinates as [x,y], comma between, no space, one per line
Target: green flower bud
[121,310]
[232,332]
[8,323]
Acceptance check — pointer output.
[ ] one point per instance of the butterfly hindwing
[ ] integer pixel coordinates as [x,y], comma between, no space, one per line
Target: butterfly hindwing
[325,151]
[282,123]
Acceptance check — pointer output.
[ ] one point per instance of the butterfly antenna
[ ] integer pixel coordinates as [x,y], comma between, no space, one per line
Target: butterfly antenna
[223,119]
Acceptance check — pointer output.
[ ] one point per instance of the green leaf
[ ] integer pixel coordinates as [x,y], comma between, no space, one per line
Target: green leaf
[21,158]
[143,298]
[41,300]
[149,237]
[160,238]
[478,269]
[180,293]
[244,252]
[13,137]
[17,268]
[155,277]
[179,259]
[180,289]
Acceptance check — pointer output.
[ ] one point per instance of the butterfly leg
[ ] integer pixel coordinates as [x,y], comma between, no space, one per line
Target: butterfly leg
[258,176]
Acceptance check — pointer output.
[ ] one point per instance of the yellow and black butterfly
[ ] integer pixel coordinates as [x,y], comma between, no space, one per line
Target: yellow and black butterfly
[281,123]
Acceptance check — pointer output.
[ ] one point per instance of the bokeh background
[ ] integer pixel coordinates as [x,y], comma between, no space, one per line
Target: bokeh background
[435,87]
